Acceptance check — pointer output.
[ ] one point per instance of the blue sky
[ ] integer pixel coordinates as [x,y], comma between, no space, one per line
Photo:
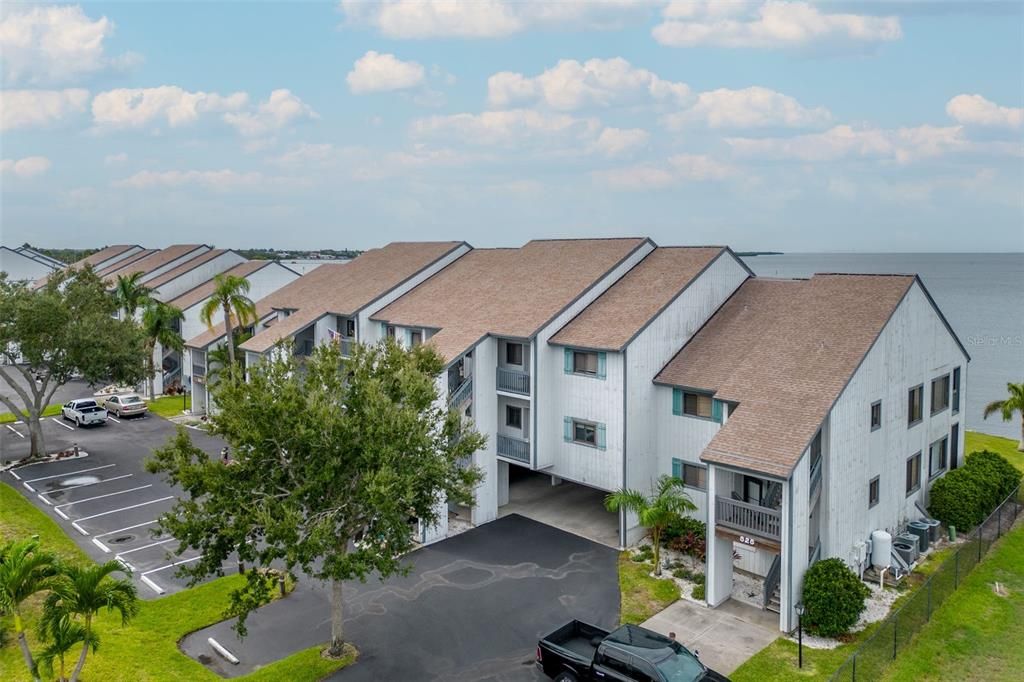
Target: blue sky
[764,125]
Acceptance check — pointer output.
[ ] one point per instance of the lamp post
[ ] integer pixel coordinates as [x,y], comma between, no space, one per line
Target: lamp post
[800,633]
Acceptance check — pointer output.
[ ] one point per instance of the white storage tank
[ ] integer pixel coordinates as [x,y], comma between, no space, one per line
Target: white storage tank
[881,549]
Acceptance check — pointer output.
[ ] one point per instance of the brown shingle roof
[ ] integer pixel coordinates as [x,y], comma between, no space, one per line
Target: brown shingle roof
[190,264]
[505,292]
[621,312]
[346,288]
[784,350]
[103,254]
[203,291]
[152,261]
[137,256]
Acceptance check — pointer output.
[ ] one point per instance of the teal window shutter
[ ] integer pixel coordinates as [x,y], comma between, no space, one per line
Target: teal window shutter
[716,411]
[600,437]
[384,330]
[677,468]
[677,401]
[602,365]
[568,361]
[568,429]
[408,338]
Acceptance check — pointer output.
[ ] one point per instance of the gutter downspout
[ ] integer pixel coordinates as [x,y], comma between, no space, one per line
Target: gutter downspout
[789,554]
[533,416]
[625,481]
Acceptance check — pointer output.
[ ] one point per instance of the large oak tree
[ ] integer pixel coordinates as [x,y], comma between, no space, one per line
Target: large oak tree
[333,461]
[64,329]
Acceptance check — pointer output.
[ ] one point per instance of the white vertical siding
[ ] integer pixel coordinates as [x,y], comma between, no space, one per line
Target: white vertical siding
[485,417]
[262,283]
[170,265]
[199,274]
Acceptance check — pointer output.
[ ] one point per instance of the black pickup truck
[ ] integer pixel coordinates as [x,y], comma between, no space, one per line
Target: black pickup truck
[578,652]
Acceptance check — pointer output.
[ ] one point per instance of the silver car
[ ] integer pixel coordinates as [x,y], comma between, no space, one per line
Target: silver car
[128,405]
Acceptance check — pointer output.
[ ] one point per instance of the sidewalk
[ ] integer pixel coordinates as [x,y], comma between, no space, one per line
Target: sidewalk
[725,637]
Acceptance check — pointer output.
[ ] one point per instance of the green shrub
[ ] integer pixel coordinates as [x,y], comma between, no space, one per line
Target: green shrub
[965,497]
[998,470]
[698,592]
[833,598]
[684,526]
[699,578]
[643,554]
[681,573]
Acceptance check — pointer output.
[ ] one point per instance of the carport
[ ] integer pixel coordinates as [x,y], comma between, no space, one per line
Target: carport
[569,506]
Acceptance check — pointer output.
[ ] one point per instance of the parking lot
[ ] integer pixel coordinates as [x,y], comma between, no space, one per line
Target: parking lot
[106,500]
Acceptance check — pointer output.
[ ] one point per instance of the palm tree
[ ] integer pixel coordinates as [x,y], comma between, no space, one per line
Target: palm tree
[1006,407]
[62,634]
[130,293]
[229,296]
[218,358]
[656,512]
[25,570]
[160,322]
[84,591]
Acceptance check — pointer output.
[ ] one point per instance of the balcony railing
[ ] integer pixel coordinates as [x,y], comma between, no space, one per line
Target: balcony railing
[198,370]
[815,475]
[749,518]
[346,345]
[461,394]
[514,448]
[304,347]
[513,381]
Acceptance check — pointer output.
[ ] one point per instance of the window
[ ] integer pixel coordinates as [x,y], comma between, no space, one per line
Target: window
[584,362]
[914,407]
[514,416]
[415,338]
[954,446]
[956,390]
[695,476]
[876,415]
[614,660]
[913,473]
[697,405]
[514,354]
[347,327]
[940,394]
[937,454]
[584,432]
[873,492]
[391,332]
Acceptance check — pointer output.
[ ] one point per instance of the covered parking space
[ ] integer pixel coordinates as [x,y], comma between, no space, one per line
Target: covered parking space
[572,507]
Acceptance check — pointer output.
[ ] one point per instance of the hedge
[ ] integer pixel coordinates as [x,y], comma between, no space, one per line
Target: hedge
[966,496]
[833,598]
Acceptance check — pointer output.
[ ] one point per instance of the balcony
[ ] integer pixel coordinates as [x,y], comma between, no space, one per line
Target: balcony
[461,393]
[749,518]
[304,347]
[514,448]
[815,476]
[513,381]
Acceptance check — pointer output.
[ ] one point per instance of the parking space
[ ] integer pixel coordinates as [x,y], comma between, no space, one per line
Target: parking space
[105,499]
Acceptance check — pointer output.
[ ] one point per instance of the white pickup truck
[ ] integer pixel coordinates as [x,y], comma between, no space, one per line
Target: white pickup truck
[84,412]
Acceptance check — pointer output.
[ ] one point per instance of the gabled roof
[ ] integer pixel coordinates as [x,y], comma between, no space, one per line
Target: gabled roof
[39,256]
[153,261]
[202,292]
[613,320]
[104,254]
[784,350]
[134,258]
[347,288]
[505,292]
[189,265]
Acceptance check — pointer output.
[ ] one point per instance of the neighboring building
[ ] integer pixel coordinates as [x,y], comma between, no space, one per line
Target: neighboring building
[21,266]
[27,250]
[806,414]
[104,259]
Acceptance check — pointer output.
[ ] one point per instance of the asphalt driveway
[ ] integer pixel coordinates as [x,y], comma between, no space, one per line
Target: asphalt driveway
[472,608]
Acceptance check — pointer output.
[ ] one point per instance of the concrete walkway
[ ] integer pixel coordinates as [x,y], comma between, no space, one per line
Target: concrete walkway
[725,637]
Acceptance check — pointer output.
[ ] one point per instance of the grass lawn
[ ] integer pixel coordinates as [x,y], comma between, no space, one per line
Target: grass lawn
[975,634]
[145,650]
[169,405]
[48,411]
[975,441]
[642,595]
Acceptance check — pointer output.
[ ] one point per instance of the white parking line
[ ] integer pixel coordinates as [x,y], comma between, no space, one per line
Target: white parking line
[15,431]
[57,421]
[152,544]
[134,506]
[44,500]
[101,545]
[16,476]
[68,473]
[176,563]
[83,485]
[121,530]
[61,514]
[128,566]
[116,421]
[100,497]
[156,588]
[28,486]
[77,527]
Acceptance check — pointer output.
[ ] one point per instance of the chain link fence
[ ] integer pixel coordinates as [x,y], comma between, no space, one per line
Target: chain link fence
[871,659]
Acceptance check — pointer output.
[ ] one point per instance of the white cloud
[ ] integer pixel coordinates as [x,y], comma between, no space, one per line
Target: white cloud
[901,144]
[376,72]
[220,180]
[614,142]
[486,18]
[27,108]
[137,107]
[112,159]
[976,110]
[279,110]
[753,107]
[45,44]
[772,24]
[570,85]
[506,127]
[28,167]
[678,169]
